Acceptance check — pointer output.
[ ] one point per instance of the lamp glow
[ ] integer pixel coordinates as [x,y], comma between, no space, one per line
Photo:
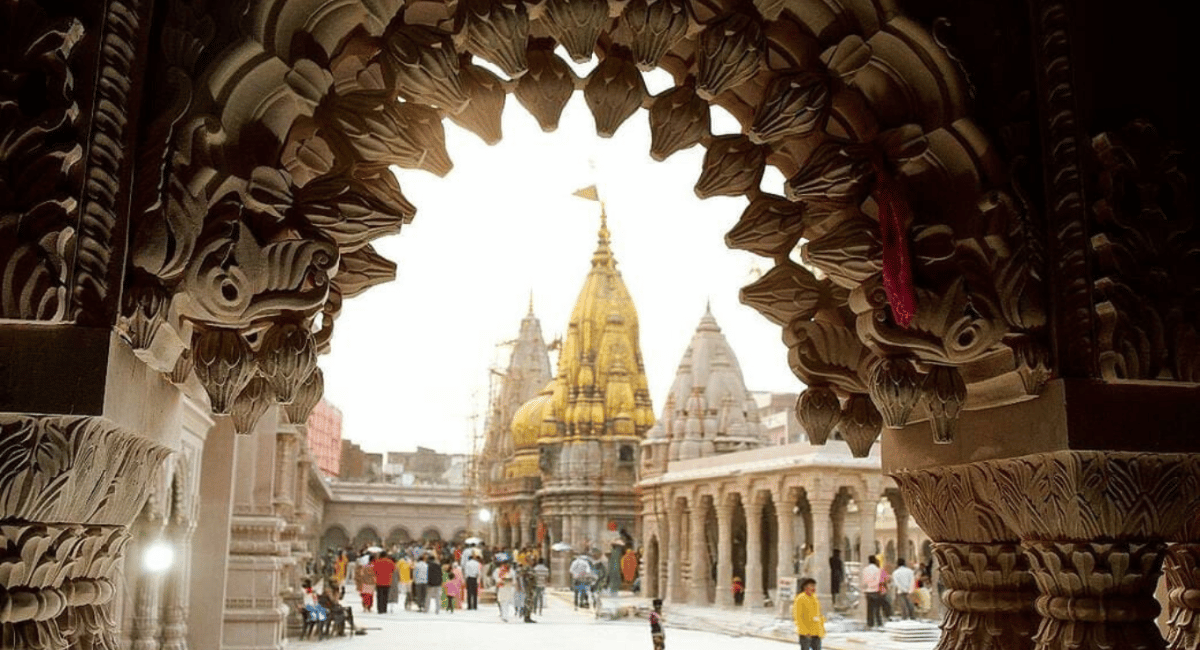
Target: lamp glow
[158,557]
[485,515]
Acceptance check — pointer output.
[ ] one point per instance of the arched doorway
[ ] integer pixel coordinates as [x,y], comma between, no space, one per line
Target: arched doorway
[335,537]
[366,536]
[651,577]
[398,536]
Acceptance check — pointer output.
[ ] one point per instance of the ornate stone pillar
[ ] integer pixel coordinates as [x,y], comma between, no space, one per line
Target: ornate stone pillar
[785,521]
[754,585]
[287,446]
[866,534]
[698,557]
[142,584]
[175,593]
[724,554]
[675,592]
[519,536]
[1182,568]
[820,506]
[989,590]
[1093,525]
[901,512]
[73,486]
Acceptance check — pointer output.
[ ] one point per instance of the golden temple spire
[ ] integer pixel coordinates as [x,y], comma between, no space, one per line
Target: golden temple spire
[603,255]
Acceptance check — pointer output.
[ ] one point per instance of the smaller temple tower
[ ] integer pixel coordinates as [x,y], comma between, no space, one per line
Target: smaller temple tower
[708,410]
[508,467]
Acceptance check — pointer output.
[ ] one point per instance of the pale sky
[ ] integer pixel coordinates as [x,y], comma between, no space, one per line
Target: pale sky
[411,358]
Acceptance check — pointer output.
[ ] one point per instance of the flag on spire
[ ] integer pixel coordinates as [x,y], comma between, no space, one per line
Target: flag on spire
[590,193]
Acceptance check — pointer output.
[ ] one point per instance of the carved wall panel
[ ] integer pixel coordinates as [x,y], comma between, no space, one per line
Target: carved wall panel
[88,477]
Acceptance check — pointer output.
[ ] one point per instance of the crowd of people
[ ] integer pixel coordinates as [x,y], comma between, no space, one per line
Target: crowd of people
[428,577]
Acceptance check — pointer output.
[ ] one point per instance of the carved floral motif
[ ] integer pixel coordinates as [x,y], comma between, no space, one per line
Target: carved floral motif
[729,54]
[614,92]
[498,32]
[40,156]
[653,28]
[733,165]
[678,119]
[546,88]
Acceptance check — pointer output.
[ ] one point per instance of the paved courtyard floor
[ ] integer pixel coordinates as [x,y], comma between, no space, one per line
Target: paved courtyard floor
[560,626]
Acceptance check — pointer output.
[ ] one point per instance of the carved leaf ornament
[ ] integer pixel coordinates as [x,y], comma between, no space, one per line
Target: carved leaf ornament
[284,235]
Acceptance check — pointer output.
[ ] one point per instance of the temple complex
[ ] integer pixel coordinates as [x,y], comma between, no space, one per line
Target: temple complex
[565,469]
[998,292]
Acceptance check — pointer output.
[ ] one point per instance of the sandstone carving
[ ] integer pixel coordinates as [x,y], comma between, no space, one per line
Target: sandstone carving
[652,28]
[614,92]
[498,32]
[424,65]
[678,119]
[546,88]
[733,165]
[730,52]
[224,364]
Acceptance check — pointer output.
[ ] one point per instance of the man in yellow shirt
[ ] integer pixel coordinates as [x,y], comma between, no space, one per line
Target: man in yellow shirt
[806,612]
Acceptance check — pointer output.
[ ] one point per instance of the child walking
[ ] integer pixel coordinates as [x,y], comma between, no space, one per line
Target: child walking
[656,630]
[806,612]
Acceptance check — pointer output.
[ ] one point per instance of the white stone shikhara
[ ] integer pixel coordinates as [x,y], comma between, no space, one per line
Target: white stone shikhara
[708,409]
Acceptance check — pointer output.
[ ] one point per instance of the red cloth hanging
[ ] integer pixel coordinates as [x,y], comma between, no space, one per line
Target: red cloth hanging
[894,216]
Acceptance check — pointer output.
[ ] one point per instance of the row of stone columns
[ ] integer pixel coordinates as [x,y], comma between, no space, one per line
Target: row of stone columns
[687,544]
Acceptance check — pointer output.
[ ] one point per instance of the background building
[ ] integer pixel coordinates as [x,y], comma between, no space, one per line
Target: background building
[325,437]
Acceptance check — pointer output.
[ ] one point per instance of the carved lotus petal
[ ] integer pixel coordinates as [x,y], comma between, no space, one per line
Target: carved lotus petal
[654,27]
[385,131]
[164,240]
[818,410]
[309,80]
[860,424]
[834,173]
[771,225]
[849,253]
[895,387]
[482,114]
[346,210]
[184,365]
[306,154]
[143,310]
[545,89]
[250,405]
[577,25]
[286,358]
[357,68]
[306,398]
[362,269]
[614,92]
[678,119]
[498,32]
[424,65]
[269,191]
[732,166]
[786,292]
[224,364]
[729,54]
[821,352]
[849,56]
[944,393]
[793,104]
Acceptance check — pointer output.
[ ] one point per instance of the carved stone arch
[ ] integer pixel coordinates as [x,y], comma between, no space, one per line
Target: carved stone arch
[431,534]
[335,537]
[366,536]
[276,179]
[398,535]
